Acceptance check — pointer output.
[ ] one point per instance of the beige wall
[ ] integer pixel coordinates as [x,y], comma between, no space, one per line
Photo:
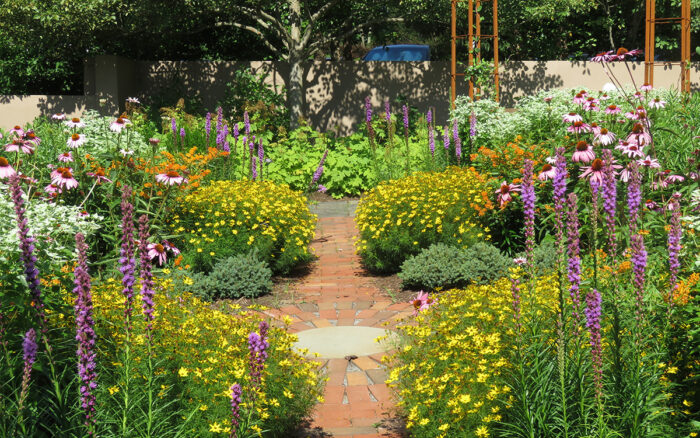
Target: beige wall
[335,90]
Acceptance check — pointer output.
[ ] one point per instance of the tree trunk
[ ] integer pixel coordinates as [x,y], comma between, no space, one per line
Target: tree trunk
[295,94]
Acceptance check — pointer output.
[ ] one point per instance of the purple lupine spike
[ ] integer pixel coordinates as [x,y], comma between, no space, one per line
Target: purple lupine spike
[224,135]
[593,313]
[147,293]
[674,247]
[246,122]
[182,136]
[472,125]
[173,125]
[85,334]
[219,119]
[127,261]
[254,167]
[431,135]
[515,304]
[446,138]
[609,193]
[387,111]
[26,244]
[639,264]
[236,392]
[559,189]
[207,126]
[29,348]
[405,118]
[574,263]
[527,191]
[634,195]
[319,169]
[257,348]
[368,110]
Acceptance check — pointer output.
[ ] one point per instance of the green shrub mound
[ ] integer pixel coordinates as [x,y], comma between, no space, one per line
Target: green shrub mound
[446,266]
[242,275]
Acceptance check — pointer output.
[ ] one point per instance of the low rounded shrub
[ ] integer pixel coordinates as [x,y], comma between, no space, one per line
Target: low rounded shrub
[438,266]
[399,218]
[242,275]
[484,263]
[227,218]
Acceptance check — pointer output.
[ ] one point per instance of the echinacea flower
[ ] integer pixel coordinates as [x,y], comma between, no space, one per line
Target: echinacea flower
[646,87]
[65,180]
[579,98]
[170,247]
[19,145]
[548,172]
[605,137]
[6,170]
[17,130]
[75,141]
[591,104]
[30,136]
[604,96]
[631,149]
[119,124]
[133,100]
[58,116]
[613,109]
[603,56]
[638,95]
[623,54]
[657,103]
[649,162]
[584,153]
[125,152]
[572,118]
[594,171]
[504,192]
[170,178]
[422,302]
[632,115]
[579,127]
[66,157]
[99,175]
[157,251]
[75,123]
[639,135]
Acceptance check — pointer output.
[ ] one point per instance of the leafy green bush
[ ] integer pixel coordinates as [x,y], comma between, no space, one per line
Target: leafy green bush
[438,266]
[249,92]
[398,218]
[242,275]
[484,264]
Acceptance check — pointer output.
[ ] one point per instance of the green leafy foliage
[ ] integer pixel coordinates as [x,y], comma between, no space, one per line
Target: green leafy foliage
[485,264]
[242,275]
[438,266]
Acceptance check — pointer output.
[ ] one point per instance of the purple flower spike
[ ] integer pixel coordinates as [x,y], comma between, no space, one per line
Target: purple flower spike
[639,264]
[182,136]
[85,334]
[29,348]
[236,392]
[431,135]
[254,166]
[527,191]
[368,110]
[429,117]
[219,119]
[634,195]
[387,111]
[246,122]
[147,293]
[207,126]
[173,125]
[127,261]
[472,125]
[559,188]
[257,348]
[574,264]
[446,138]
[593,313]
[319,169]
[405,118]
[674,247]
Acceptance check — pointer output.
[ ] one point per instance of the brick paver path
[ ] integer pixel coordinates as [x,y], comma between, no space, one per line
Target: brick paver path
[339,292]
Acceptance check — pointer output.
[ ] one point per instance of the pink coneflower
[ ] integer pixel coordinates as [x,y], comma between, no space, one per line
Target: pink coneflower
[605,137]
[19,145]
[31,137]
[613,109]
[125,152]
[646,87]
[649,162]
[119,124]
[548,99]
[99,175]
[657,103]
[594,171]
[17,130]
[75,141]
[157,251]
[58,116]
[639,135]
[631,149]
[548,172]
[133,100]
[75,123]
[422,302]
[572,118]
[66,157]
[154,141]
[52,189]
[6,170]
[623,54]
[591,104]
[672,179]
[578,127]
[551,160]
[170,178]
[579,98]
[632,115]
[504,192]
[65,180]
[603,56]
[170,247]
[604,96]
[641,112]
[595,128]
[584,153]
[638,95]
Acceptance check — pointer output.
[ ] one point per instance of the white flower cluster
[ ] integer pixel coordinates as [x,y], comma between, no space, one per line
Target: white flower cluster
[52,226]
[692,221]
[100,141]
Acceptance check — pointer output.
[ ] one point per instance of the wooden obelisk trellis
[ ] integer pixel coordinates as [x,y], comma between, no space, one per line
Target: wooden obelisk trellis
[473,37]
[650,43]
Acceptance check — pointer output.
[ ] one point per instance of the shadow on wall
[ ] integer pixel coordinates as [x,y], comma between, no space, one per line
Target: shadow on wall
[19,110]
[521,78]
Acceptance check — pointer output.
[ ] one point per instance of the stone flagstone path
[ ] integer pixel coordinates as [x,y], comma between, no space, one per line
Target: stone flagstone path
[338,292]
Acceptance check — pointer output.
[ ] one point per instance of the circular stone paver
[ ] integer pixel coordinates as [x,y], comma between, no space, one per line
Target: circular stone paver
[338,342]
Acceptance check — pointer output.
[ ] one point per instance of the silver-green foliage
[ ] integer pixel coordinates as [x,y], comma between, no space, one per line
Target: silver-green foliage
[242,275]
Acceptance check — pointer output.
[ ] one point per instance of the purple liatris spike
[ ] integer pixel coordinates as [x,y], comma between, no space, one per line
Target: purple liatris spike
[173,125]
[610,200]
[224,136]
[639,265]
[574,263]
[593,313]
[257,349]
[29,348]
[146,275]
[127,261]
[559,188]
[634,195]
[527,191]
[455,129]
[368,110]
[405,118]
[26,244]
[246,123]
[85,333]
[219,118]
[254,166]
[235,133]
[387,111]
[446,138]
[674,246]
[236,392]
[472,125]
[207,126]
[182,136]
[431,134]
[319,169]
[429,117]
[261,151]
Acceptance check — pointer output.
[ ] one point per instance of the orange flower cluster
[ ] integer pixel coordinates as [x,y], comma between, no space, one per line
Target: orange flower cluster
[682,293]
[508,160]
[192,164]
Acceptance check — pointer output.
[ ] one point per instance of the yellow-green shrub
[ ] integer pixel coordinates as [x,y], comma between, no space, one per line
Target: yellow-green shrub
[226,218]
[398,218]
[448,374]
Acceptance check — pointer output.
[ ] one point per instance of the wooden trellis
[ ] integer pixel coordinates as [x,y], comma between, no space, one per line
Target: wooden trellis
[650,43]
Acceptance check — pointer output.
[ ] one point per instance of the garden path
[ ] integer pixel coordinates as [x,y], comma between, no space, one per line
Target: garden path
[338,292]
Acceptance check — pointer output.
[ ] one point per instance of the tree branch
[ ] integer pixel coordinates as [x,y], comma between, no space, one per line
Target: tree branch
[313,48]
[258,33]
[268,22]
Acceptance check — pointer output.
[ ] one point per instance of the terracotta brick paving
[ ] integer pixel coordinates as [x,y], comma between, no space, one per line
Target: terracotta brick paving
[338,292]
